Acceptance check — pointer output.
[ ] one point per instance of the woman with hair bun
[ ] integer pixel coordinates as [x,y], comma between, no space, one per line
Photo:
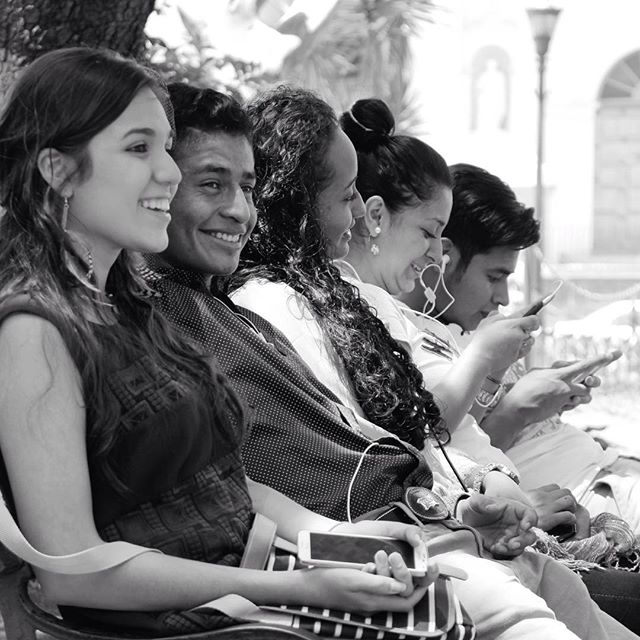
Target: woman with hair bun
[406,187]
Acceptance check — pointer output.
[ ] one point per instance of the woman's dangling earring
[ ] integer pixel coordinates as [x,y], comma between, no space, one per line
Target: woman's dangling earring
[90,270]
[65,214]
[375,249]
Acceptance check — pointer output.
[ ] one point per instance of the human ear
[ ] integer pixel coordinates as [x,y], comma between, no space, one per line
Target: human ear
[56,169]
[374,213]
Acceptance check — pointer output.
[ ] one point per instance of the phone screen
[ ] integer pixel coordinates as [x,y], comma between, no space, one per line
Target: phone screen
[356,549]
[597,365]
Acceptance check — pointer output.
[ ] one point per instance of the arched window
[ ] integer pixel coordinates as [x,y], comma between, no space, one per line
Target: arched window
[617,160]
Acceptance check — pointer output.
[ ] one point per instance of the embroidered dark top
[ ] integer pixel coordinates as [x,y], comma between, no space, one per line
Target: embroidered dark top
[171,481]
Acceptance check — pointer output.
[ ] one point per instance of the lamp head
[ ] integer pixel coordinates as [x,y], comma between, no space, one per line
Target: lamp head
[543,23]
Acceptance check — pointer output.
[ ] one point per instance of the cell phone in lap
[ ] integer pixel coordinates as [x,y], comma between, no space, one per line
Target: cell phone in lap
[329,549]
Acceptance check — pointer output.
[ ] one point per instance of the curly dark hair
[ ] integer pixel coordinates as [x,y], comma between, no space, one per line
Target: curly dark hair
[292,131]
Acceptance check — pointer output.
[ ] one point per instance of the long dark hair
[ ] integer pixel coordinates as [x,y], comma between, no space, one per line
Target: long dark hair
[61,101]
[292,131]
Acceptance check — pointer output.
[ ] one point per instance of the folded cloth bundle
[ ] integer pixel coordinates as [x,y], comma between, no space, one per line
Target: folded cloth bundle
[612,544]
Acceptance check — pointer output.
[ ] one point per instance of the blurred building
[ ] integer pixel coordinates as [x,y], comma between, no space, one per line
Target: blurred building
[475,71]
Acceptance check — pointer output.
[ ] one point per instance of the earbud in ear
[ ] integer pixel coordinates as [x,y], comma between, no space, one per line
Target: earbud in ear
[445,260]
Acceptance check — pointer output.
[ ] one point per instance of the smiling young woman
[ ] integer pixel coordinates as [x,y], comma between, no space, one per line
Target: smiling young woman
[307,203]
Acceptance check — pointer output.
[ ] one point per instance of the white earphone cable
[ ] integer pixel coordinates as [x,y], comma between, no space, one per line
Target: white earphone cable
[353,478]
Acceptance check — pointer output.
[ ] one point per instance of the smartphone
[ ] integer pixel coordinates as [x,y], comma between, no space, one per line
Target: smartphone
[543,302]
[353,551]
[563,531]
[327,549]
[595,364]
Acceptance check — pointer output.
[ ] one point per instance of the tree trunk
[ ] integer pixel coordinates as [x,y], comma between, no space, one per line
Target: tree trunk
[29,28]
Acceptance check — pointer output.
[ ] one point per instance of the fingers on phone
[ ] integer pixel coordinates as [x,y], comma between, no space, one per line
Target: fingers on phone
[530,323]
[433,571]
[400,572]
[381,560]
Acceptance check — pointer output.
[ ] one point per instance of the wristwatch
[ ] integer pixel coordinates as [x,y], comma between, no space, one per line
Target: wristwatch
[487,399]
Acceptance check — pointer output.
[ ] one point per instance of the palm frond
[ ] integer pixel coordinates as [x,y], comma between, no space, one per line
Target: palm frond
[361,50]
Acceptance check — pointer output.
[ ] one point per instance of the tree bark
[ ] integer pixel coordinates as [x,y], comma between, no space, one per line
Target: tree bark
[29,28]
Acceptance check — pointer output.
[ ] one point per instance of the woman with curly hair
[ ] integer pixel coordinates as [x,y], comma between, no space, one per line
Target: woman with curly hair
[306,169]
[113,427]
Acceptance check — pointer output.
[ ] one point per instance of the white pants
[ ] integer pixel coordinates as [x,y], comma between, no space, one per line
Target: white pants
[617,490]
[529,598]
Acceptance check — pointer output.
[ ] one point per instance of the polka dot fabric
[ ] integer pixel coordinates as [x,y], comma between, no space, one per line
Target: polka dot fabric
[298,441]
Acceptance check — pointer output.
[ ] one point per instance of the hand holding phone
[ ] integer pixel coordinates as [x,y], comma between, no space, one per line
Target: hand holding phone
[345,550]
[588,367]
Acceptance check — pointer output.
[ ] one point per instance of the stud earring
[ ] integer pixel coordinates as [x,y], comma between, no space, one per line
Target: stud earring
[375,249]
[65,214]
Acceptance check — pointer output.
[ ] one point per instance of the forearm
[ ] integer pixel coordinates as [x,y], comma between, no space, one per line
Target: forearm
[457,390]
[289,516]
[497,484]
[504,423]
[155,582]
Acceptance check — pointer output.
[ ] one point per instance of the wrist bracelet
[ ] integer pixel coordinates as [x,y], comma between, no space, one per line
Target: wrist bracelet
[476,478]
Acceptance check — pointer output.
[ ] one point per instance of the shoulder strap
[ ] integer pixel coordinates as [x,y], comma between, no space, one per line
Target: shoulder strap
[99,558]
[262,538]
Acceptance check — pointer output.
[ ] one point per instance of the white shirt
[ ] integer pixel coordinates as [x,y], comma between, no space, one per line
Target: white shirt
[289,312]
[433,351]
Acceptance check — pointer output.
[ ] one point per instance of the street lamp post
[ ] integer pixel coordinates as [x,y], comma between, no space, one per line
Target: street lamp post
[543,22]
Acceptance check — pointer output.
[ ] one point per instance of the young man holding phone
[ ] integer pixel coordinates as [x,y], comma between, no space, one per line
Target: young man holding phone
[487,230]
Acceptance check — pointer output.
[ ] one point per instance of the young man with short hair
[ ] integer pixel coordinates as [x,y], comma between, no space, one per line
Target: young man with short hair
[487,230]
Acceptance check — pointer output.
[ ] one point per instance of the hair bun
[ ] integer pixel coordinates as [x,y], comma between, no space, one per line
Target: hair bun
[368,123]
